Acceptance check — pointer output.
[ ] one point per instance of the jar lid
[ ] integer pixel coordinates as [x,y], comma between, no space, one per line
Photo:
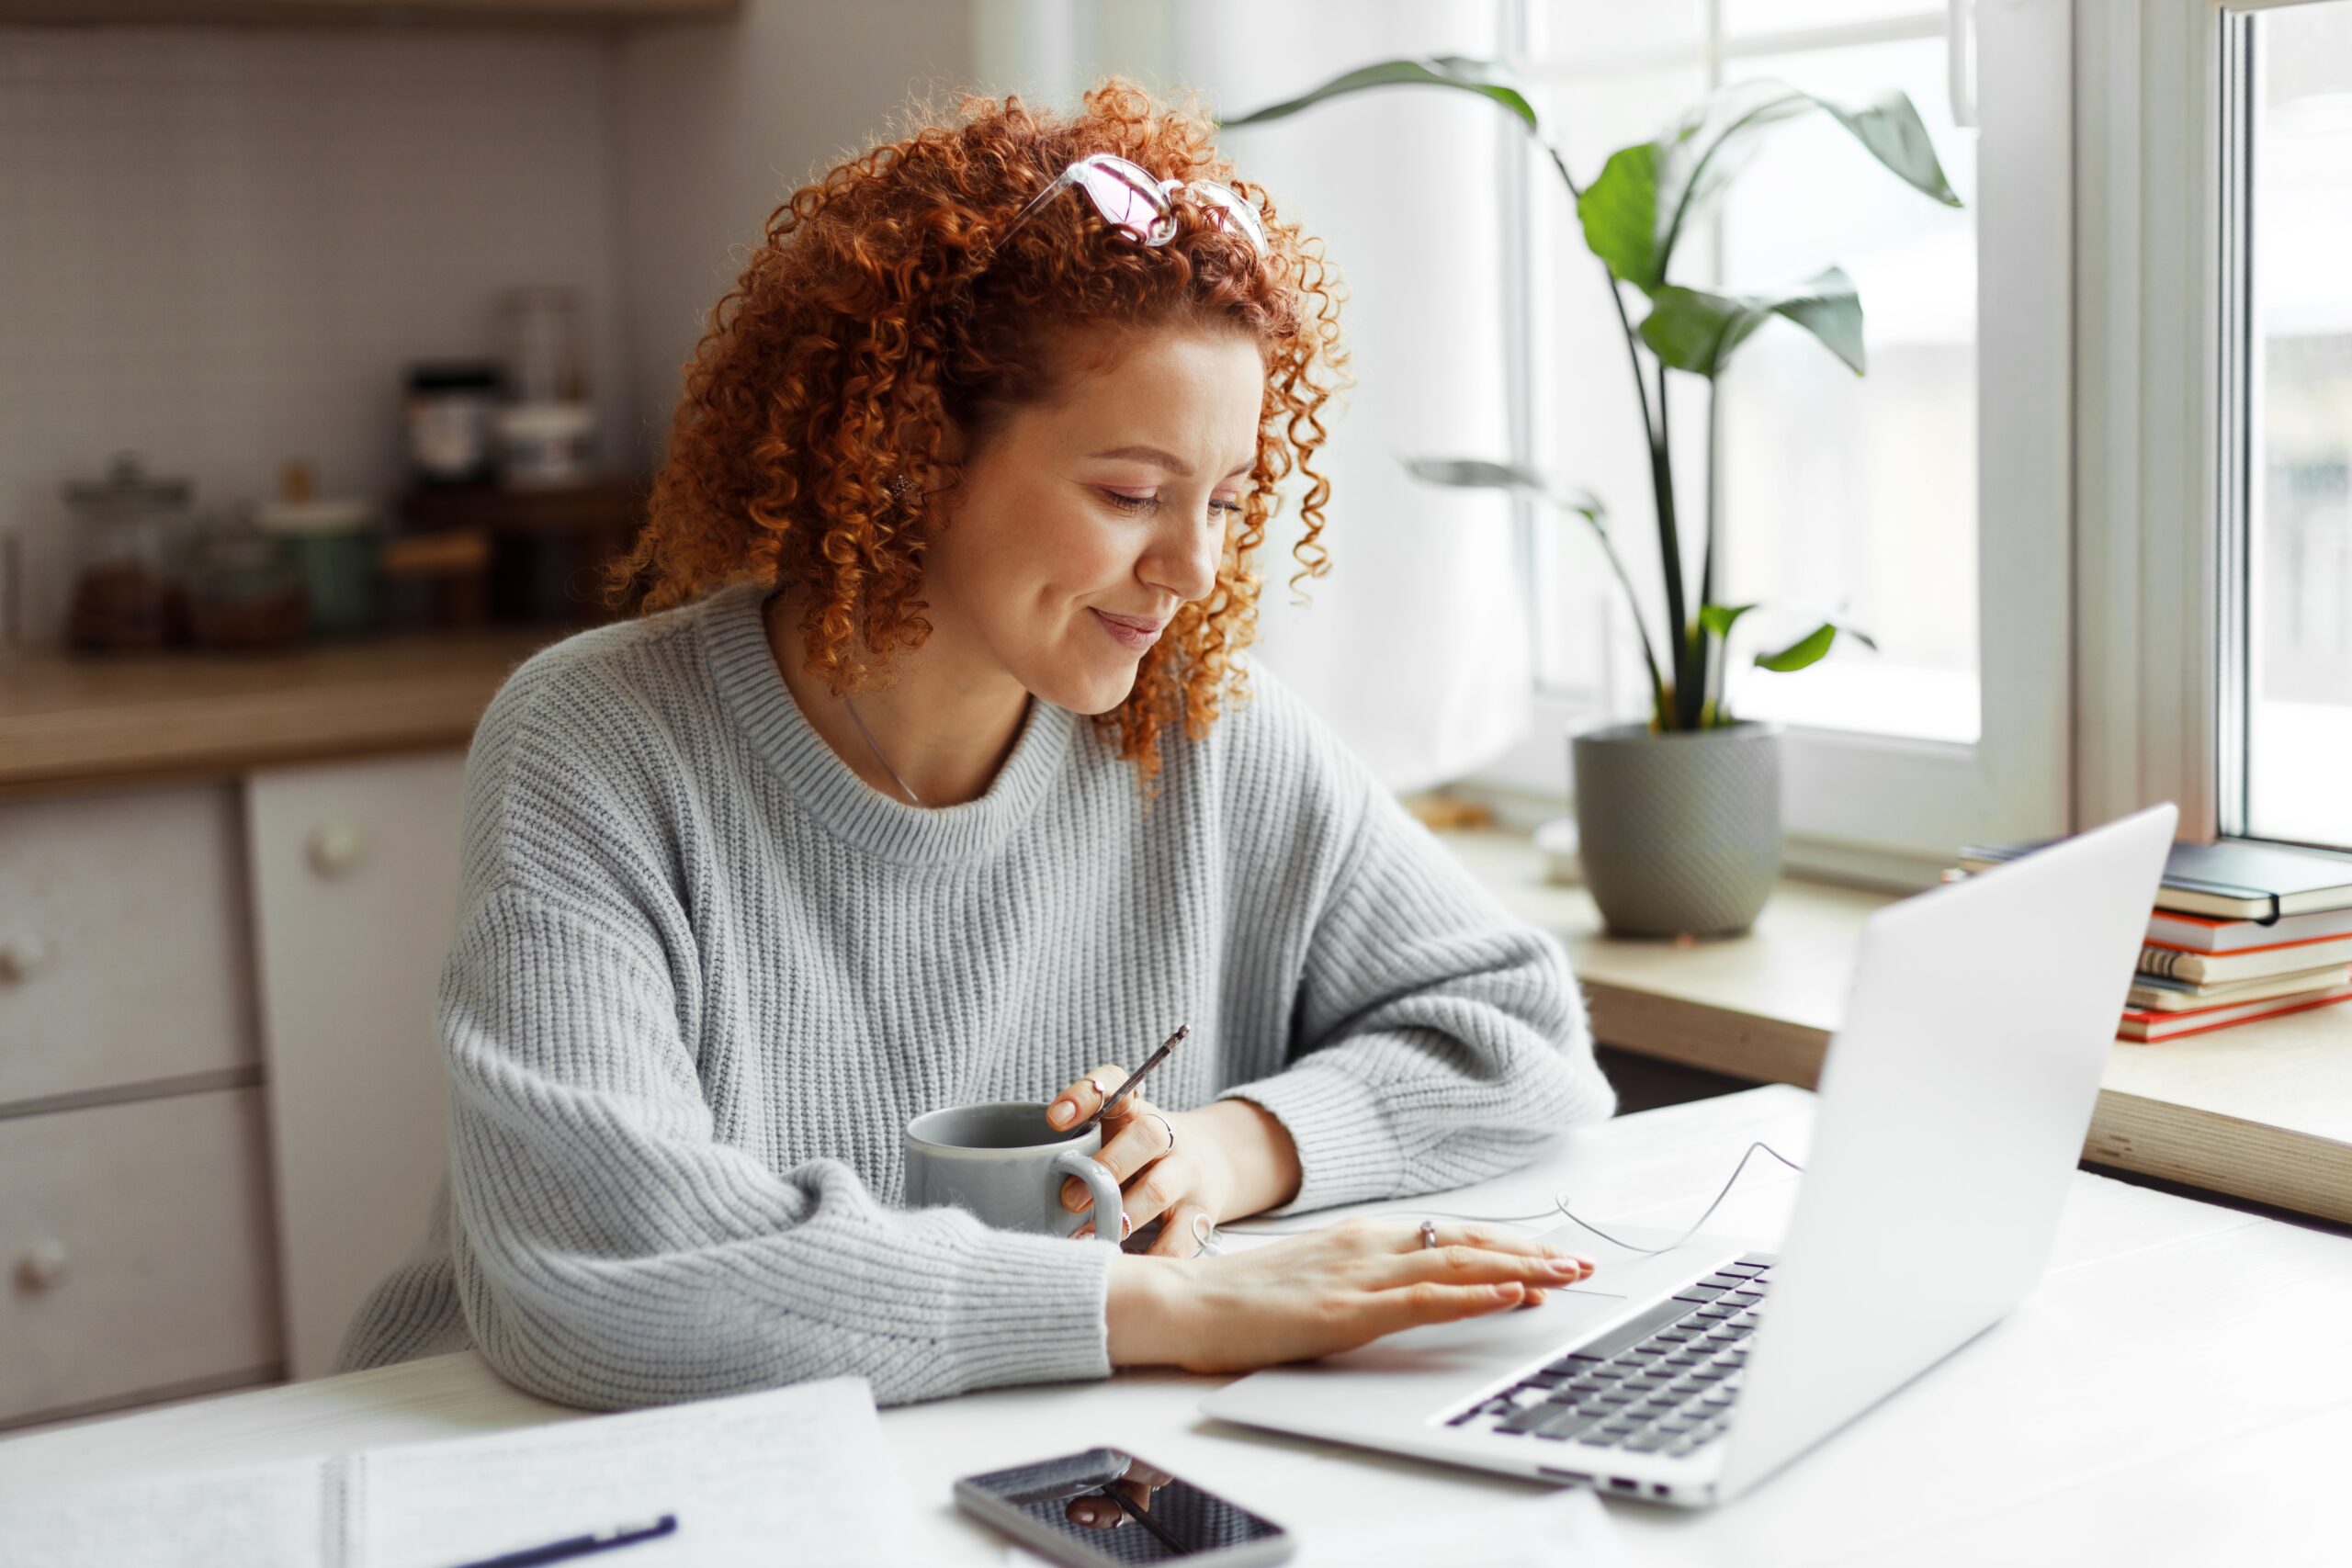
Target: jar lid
[127,490]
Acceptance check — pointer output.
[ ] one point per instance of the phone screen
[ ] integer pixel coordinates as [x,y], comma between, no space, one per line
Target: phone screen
[1135,1512]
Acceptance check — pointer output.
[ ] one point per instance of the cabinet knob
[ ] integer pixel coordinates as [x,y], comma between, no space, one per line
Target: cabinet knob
[24,955]
[43,1265]
[337,848]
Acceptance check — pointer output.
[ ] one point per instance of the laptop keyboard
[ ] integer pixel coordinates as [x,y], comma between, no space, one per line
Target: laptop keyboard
[1663,1382]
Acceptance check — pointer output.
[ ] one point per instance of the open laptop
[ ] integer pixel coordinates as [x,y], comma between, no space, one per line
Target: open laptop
[1953,1109]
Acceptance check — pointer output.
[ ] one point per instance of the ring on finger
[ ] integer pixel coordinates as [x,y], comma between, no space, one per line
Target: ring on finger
[1166,1127]
[1428,1236]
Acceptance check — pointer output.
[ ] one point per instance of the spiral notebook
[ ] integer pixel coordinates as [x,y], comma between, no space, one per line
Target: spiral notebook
[790,1475]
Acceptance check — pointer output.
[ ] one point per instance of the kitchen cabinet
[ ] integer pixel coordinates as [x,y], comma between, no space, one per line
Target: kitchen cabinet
[355,892]
[138,1255]
[221,1100]
[123,947]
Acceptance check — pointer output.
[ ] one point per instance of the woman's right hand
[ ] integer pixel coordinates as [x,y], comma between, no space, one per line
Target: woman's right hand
[1316,1294]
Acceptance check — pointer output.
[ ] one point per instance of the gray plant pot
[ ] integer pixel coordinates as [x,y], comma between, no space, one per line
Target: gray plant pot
[1680,833]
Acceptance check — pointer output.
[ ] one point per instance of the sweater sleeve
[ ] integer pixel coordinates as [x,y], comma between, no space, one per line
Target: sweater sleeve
[615,1253]
[1437,1038]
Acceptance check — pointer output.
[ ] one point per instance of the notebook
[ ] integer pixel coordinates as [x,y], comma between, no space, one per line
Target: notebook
[2235,879]
[791,1476]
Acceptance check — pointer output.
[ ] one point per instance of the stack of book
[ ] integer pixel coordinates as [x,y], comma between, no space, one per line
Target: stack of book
[2240,932]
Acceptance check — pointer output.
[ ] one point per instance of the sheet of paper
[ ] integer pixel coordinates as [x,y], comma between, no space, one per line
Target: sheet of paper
[791,1476]
[264,1518]
[1562,1529]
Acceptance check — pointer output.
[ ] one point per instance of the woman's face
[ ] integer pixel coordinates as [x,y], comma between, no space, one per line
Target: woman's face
[1084,523]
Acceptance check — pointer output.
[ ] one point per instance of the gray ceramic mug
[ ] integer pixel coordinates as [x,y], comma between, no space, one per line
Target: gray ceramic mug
[1005,1164]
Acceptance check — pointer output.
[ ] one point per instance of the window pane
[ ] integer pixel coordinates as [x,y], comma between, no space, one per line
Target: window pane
[2299,675]
[1845,497]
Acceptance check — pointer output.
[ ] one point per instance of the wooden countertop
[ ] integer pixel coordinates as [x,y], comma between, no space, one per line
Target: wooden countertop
[2263,1110]
[67,721]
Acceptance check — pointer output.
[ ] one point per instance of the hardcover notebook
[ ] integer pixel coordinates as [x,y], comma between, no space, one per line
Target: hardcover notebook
[792,1475]
[2233,880]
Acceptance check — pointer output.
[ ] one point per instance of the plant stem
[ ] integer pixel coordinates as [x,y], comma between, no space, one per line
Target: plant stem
[1634,606]
[1669,546]
[1716,652]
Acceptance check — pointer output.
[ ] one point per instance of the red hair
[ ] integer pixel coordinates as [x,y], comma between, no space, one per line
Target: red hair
[887,303]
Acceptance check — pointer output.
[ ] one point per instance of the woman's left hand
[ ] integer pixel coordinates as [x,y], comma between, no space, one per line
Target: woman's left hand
[1188,1169]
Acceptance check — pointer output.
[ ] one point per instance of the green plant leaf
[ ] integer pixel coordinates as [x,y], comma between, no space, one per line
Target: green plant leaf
[1489,79]
[1808,648]
[1481,473]
[1718,618]
[1693,330]
[1646,196]
[1619,211]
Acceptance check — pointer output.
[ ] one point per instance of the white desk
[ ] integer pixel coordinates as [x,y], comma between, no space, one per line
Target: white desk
[2179,1391]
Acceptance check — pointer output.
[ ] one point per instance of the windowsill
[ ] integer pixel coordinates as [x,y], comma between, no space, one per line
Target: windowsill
[2261,1111]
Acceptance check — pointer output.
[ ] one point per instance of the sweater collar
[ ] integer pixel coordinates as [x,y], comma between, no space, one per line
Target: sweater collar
[735,638]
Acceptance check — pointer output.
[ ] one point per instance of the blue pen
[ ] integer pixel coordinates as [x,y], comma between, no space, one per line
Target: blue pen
[581,1545]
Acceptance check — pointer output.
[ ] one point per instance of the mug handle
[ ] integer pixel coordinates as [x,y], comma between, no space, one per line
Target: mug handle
[1100,1186]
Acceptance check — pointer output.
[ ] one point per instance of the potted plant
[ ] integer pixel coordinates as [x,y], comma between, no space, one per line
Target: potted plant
[1678,817]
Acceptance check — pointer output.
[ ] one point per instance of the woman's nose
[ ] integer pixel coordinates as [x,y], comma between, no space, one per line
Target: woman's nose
[1187,567]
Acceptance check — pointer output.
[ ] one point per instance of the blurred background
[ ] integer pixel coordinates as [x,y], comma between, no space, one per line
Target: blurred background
[338,341]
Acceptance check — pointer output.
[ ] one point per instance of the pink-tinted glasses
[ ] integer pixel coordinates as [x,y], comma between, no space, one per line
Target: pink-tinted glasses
[1143,208]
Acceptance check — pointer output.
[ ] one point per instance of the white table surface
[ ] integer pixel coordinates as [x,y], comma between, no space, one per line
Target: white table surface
[2178,1390]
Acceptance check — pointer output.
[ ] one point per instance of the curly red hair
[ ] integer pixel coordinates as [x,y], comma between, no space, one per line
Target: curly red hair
[887,304]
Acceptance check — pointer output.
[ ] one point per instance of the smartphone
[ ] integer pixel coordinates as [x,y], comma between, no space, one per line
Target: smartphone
[1106,1507]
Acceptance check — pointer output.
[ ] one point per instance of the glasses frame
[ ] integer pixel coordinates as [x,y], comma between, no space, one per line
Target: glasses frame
[1220,201]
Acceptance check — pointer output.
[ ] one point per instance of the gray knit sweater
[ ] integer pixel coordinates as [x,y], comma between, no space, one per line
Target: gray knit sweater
[703,977]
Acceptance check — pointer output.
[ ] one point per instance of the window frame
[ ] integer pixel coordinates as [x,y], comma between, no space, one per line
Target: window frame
[1886,809]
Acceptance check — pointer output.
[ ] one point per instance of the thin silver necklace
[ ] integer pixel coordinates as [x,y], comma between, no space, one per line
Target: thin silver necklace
[886,768]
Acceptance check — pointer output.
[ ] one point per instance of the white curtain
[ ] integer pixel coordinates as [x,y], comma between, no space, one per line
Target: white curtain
[1414,647]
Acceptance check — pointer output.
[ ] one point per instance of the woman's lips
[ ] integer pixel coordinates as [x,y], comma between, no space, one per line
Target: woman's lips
[1135,636]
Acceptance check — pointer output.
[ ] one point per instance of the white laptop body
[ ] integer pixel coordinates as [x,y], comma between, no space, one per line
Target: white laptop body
[1954,1104]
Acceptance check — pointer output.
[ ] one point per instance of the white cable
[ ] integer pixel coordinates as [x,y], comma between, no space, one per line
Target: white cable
[1560,1208]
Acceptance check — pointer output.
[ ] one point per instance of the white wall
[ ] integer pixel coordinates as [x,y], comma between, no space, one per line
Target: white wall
[220,247]
[720,123]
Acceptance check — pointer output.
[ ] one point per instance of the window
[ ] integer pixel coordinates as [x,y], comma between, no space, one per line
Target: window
[2291,396]
[1861,498]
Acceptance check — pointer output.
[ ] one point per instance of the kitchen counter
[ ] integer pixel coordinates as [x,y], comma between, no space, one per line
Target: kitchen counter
[70,722]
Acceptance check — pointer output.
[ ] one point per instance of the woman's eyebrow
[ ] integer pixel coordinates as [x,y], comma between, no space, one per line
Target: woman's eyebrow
[1167,460]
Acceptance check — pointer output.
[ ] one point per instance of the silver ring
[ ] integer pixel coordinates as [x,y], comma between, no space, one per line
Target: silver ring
[1169,1127]
[1099,1090]
[1428,1236]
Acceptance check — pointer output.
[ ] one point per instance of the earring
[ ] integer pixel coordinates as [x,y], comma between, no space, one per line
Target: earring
[900,487]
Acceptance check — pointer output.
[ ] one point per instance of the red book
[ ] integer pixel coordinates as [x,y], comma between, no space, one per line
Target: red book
[2205,933]
[2147,1028]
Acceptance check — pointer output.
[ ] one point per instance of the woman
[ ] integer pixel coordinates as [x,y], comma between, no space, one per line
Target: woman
[930,780]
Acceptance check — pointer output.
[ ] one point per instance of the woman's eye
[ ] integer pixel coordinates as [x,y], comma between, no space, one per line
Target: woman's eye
[1219,510]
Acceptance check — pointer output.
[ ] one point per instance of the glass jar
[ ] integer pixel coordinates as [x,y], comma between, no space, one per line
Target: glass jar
[126,534]
[245,589]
